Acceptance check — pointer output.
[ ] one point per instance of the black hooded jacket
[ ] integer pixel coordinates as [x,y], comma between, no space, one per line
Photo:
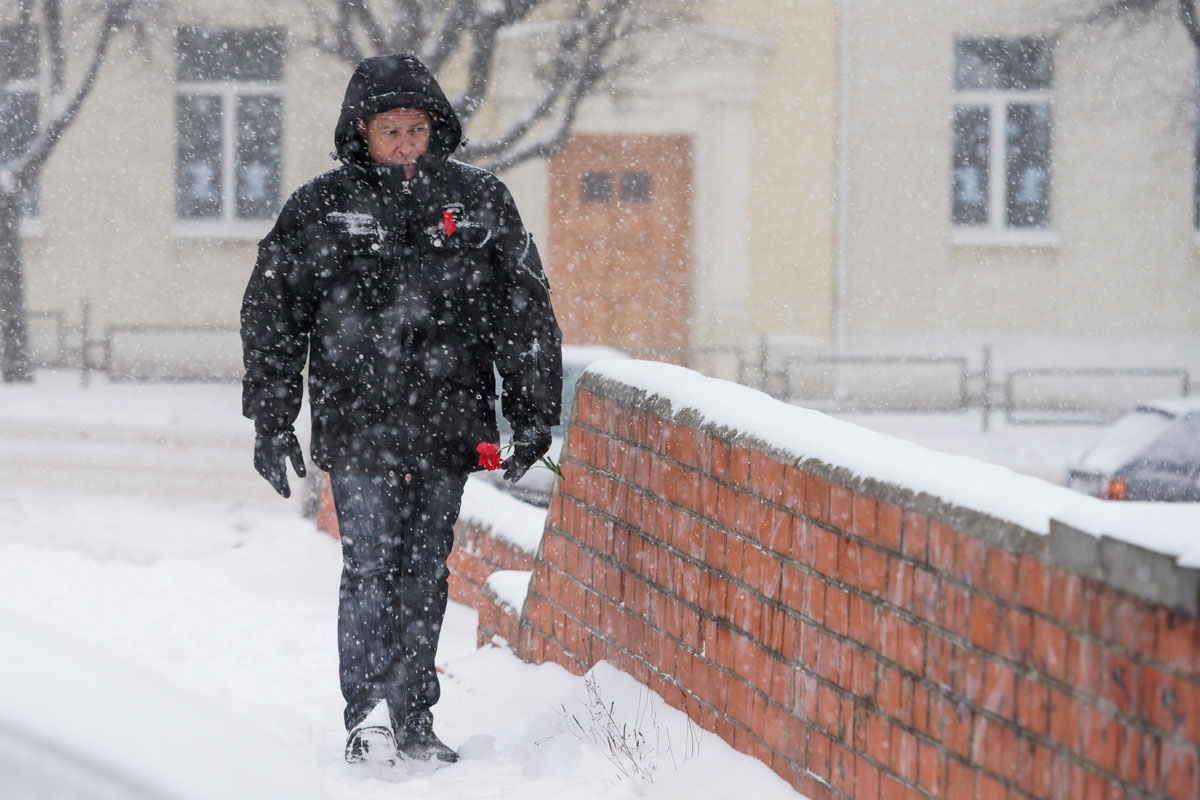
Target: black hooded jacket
[401,295]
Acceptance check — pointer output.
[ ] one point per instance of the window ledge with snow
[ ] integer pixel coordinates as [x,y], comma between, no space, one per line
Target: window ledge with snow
[250,231]
[967,237]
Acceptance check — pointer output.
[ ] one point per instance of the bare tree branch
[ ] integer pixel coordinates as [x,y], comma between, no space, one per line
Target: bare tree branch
[470,31]
[439,47]
[376,38]
[25,170]
[561,80]
[115,17]
[411,25]
[603,30]
[1187,13]
[58,51]
[334,34]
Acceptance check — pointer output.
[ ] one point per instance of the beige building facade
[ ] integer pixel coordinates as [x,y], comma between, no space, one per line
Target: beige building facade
[150,209]
[1010,177]
[845,176]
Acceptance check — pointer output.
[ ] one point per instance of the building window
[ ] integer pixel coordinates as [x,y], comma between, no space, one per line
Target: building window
[1002,134]
[596,187]
[635,187]
[19,104]
[228,124]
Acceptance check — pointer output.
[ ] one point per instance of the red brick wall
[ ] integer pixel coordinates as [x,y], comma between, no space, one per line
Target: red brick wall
[863,641]
[476,555]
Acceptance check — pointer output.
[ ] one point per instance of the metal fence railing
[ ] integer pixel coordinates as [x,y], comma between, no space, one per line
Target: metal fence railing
[1049,403]
[1030,394]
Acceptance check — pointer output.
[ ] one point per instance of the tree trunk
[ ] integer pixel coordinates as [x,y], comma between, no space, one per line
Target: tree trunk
[1187,13]
[14,335]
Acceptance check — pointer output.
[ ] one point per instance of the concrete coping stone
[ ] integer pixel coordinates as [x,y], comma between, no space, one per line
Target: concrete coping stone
[1122,566]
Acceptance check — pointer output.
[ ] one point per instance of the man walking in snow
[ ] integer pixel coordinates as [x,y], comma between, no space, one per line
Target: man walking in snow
[402,277]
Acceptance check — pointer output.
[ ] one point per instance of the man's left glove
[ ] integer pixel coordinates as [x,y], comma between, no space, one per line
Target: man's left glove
[529,444]
[271,453]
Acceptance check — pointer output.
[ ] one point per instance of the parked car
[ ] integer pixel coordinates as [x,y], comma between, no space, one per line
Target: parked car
[1152,453]
[538,483]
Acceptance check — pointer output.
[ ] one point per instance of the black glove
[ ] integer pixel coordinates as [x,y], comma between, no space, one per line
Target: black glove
[271,452]
[529,445]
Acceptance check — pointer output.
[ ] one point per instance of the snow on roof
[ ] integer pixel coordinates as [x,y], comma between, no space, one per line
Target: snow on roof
[1169,528]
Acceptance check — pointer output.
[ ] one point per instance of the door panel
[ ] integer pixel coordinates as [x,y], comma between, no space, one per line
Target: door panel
[619,243]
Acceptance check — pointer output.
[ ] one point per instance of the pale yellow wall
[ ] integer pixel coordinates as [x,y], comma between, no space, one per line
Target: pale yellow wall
[764,172]
[792,161]
[108,190]
[1122,182]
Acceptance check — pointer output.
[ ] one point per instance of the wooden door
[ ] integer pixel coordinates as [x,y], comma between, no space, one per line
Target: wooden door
[619,266]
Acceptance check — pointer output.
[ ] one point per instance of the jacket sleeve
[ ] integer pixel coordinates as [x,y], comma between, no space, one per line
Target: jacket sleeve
[276,320]
[528,342]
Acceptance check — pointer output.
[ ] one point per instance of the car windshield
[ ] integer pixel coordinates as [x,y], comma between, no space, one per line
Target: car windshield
[1178,449]
[1125,440]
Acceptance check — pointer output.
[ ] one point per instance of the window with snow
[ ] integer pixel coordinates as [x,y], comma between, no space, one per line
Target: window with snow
[228,124]
[19,103]
[1002,134]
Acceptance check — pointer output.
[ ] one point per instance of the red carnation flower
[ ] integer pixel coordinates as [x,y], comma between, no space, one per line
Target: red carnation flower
[489,455]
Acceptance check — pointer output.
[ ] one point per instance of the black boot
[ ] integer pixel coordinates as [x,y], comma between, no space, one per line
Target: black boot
[422,744]
[372,739]
[373,744]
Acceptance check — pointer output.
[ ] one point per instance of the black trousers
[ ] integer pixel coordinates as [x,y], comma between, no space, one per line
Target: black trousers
[397,531]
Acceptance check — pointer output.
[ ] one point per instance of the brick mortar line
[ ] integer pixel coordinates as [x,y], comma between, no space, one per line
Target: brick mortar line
[810,725]
[1019,669]
[957,638]
[1115,647]
[946,694]
[857,702]
[934,688]
[474,534]
[960,639]
[764,448]
[495,567]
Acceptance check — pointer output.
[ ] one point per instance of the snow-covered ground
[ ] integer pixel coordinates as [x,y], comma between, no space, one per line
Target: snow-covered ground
[134,531]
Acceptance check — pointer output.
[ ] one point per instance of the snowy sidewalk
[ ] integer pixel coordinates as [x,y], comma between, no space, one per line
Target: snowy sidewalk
[132,522]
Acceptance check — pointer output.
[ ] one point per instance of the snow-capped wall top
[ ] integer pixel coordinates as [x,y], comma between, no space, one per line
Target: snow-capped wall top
[805,435]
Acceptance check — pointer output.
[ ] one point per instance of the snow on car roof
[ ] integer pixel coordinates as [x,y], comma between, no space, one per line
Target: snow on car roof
[1174,406]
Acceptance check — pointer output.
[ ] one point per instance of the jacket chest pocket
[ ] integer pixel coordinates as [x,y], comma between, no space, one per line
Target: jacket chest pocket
[367,277]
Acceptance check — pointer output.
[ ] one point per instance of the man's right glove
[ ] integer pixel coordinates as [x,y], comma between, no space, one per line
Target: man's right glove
[529,444]
[271,453]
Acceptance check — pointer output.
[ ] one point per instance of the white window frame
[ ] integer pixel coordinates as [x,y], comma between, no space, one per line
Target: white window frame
[996,233]
[227,226]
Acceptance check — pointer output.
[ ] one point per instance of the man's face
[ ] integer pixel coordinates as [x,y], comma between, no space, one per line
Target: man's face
[397,137]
